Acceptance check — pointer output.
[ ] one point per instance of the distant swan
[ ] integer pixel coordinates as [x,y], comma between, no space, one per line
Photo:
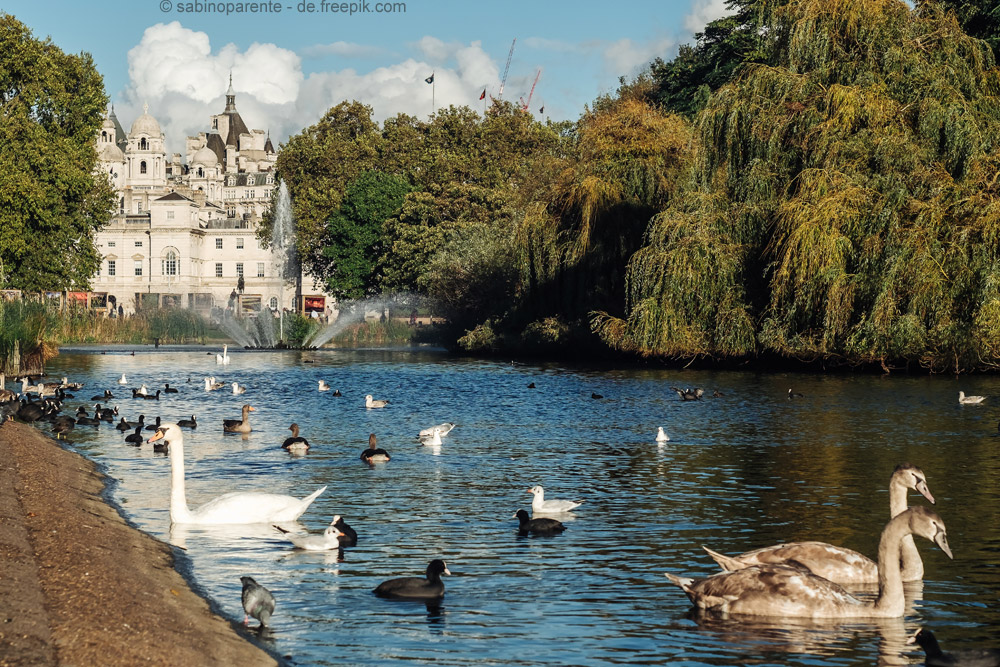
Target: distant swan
[970,400]
[661,436]
[122,379]
[237,507]
[224,357]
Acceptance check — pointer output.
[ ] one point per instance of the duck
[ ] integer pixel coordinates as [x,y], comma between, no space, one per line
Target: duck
[135,438]
[239,389]
[442,429]
[689,394]
[122,380]
[348,536]
[323,386]
[531,385]
[837,564]
[374,454]
[429,587]
[795,394]
[257,602]
[154,426]
[188,423]
[935,657]
[336,392]
[791,591]
[167,389]
[969,400]
[239,425]
[596,396]
[224,357]
[661,436]
[542,526]
[327,541]
[295,443]
[539,505]
[239,507]
[371,403]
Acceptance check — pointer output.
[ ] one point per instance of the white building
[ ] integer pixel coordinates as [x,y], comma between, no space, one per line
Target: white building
[185,232]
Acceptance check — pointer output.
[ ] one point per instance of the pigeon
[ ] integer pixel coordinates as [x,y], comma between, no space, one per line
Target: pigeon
[257,602]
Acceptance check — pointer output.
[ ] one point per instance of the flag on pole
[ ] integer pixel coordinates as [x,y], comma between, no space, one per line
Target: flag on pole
[483,95]
[542,110]
[430,79]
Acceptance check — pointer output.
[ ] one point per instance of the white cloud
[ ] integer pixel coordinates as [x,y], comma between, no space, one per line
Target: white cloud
[175,71]
[624,56]
[704,12]
[345,49]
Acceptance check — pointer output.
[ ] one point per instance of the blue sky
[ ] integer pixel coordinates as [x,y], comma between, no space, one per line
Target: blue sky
[289,67]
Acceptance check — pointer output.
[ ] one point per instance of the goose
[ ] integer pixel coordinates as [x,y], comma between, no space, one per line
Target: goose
[539,505]
[374,454]
[935,657]
[323,386]
[230,508]
[237,389]
[349,536]
[167,389]
[792,591]
[371,403]
[840,565]
[442,429]
[543,526]
[122,379]
[135,438]
[224,357]
[257,602]
[661,436]
[429,587]
[239,425]
[328,541]
[295,443]
[969,400]
[188,423]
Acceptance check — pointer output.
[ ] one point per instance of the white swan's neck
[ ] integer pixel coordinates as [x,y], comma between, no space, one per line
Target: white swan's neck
[179,512]
[890,601]
[910,561]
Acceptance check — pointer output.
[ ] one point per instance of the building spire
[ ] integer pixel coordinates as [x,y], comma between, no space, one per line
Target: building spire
[230,96]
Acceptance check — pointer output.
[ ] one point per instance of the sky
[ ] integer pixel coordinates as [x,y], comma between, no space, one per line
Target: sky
[291,60]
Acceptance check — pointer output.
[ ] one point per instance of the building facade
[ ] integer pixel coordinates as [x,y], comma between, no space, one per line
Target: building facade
[185,230]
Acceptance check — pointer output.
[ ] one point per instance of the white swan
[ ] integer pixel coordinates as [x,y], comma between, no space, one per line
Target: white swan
[970,400]
[224,357]
[792,591]
[442,429]
[539,505]
[330,539]
[122,379]
[661,436]
[237,389]
[237,507]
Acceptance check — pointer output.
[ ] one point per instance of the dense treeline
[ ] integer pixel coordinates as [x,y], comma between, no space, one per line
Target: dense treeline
[814,179]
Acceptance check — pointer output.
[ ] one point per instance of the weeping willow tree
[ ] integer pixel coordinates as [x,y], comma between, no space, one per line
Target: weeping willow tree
[842,201]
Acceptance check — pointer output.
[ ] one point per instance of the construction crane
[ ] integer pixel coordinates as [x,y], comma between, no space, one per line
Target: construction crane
[506,69]
[526,104]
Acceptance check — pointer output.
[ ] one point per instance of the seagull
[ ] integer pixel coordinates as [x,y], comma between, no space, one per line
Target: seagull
[257,602]
[329,540]
[432,440]
[323,386]
[542,506]
[237,389]
[122,379]
[371,403]
[661,436]
[442,429]
[212,385]
[970,400]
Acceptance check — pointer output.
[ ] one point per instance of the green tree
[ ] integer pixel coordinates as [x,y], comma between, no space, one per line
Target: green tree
[979,19]
[51,201]
[352,242]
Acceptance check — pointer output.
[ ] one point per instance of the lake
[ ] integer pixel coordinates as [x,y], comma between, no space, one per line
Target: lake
[744,470]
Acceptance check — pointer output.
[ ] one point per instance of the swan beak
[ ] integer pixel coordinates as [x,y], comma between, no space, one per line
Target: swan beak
[941,539]
[156,436]
[922,488]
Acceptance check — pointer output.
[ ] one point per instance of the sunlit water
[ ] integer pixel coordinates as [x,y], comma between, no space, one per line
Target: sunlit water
[741,471]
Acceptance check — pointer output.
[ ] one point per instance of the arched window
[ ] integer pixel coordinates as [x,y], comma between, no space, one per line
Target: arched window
[121,205]
[142,144]
[104,135]
[274,303]
[142,167]
[201,172]
[250,180]
[170,263]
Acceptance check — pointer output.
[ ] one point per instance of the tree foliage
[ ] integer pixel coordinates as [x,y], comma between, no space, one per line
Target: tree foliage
[51,200]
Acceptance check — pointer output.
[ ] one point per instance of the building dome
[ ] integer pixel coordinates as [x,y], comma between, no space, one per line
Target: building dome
[145,124]
[109,152]
[205,156]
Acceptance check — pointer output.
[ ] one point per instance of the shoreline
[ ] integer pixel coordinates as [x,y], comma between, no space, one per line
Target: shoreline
[79,585]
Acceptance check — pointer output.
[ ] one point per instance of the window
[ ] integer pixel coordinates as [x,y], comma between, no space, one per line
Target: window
[143,146]
[239,269]
[270,179]
[138,267]
[170,263]
[111,244]
[218,269]
[121,205]
[170,215]
[218,244]
[232,181]
[274,303]
[111,267]
[249,194]
[260,269]
[138,244]
[250,180]
[239,244]
[142,167]
[201,172]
